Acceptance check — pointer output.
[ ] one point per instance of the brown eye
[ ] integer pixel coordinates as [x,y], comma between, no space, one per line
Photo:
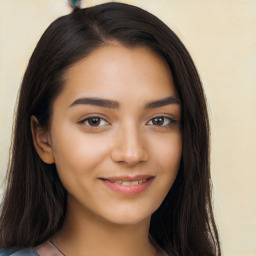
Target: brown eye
[162,121]
[94,121]
[158,121]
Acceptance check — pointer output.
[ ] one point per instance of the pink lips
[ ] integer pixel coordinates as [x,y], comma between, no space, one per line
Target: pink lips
[134,189]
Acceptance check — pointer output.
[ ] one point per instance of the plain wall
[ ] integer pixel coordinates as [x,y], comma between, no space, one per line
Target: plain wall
[221,37]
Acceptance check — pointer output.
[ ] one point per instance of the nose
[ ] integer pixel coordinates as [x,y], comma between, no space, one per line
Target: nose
[129,146]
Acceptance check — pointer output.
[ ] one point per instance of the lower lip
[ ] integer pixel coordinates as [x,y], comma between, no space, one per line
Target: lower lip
[128,190]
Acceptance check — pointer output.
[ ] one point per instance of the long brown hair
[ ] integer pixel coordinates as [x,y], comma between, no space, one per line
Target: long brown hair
[34,205]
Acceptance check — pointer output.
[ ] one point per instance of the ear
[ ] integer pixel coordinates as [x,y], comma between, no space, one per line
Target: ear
[42,141]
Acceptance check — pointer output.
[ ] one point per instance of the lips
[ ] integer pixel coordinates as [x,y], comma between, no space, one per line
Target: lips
[128,185]
[128,178]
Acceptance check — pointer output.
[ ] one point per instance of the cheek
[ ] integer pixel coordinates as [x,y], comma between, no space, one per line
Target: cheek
[171,156]
[76,152]
[167,153]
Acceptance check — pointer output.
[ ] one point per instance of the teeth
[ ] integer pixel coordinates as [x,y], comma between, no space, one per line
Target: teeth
[128,183]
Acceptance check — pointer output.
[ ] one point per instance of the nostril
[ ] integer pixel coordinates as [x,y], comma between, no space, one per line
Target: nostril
[121,156]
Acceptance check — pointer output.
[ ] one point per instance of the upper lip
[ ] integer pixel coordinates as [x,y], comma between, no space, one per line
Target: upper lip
[128,178]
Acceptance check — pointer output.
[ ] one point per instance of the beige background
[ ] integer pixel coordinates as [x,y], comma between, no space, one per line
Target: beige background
[221,37]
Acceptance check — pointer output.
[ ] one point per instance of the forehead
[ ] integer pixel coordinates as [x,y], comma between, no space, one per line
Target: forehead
[114,71]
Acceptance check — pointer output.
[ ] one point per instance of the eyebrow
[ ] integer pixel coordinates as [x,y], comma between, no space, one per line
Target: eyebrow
[116,105]
[162,102]
[97,102]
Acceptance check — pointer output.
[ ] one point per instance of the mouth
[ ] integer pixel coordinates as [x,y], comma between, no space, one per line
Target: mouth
[128,180]
[128,185]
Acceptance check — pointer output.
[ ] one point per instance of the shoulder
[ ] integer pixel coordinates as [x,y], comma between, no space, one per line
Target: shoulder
[18,252]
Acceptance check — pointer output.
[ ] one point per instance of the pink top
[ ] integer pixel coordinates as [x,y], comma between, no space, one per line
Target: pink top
[49,249]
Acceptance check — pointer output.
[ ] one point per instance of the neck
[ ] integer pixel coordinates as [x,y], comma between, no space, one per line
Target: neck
[93,235]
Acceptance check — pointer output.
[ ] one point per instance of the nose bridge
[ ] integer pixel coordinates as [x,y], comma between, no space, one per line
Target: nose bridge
[130,144]
[132,139]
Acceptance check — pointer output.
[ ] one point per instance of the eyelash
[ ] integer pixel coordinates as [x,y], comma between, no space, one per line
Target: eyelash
[167,121]
[84,121]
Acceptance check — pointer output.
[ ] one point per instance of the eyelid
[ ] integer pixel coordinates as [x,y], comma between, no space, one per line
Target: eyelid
[170,118]
[85,119]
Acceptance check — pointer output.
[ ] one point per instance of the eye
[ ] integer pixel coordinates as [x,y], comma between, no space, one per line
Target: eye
[161,121]
[94,121]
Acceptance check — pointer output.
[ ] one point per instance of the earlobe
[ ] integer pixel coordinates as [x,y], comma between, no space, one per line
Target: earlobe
[41,141]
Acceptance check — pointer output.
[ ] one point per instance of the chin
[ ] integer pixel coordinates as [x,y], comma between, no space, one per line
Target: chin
[128,217]
[128,220]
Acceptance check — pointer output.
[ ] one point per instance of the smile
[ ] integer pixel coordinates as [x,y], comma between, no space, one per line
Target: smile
[128,185]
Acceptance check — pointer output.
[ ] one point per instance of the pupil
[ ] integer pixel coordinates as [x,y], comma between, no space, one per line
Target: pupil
[94,121]
[158,121]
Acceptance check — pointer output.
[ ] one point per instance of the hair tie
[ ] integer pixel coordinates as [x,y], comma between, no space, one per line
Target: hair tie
[74,3]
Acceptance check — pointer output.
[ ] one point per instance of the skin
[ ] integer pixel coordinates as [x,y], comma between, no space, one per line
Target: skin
[126,141]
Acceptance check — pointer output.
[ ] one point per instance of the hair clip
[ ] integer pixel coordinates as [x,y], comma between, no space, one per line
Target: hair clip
[74,3]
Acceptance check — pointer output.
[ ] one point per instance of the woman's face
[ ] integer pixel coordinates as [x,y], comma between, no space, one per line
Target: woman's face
[115,134]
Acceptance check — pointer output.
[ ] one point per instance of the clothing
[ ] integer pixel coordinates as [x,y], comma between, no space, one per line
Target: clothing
[19,252]
[48,249]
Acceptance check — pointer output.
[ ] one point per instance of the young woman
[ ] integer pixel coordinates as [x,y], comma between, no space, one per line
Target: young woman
[111,145]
